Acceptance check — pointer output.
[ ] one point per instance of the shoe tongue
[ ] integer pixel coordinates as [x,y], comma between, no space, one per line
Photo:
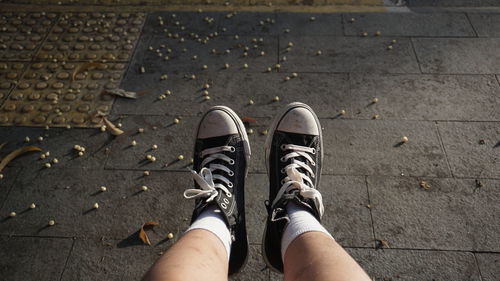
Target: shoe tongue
[228,140]
[302,140]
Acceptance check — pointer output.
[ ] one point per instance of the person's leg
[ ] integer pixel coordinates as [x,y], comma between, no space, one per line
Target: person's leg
[198,255]
[294,241]
[315,256]
[215,245]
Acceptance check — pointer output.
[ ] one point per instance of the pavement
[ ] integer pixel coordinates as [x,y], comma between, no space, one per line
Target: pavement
[426,209]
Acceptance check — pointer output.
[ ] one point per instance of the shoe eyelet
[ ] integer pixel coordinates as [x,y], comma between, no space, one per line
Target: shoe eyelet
[231,162]
[282,170]
[282,159]
[282,182]
[314,151]
[230,184]
[283,147]
[231,173]
[229,195]
[313,163]
[232,149]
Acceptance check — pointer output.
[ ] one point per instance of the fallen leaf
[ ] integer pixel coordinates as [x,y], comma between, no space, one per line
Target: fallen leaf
[425,185]
[84,67]
[380,244]
[248,120]
[121,93]
[150,223]
[16,153]
[111,127]
[142,233]
[144,237]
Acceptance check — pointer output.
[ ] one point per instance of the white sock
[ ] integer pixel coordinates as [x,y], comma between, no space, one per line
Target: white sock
[213,222]
[301,221]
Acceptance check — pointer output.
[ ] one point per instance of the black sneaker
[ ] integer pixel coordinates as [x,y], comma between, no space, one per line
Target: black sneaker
[221,156]
[294,153]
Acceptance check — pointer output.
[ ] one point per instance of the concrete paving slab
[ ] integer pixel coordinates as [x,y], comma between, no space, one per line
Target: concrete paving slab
[308,24]
[8,177]
[59,143]
[29,258]
[172,140]
[183,23]
[247,23]
[93,259]
[68,195]
[372,147]
[391,264]
[181,58]
[425,97]
[486,25]
[330,94]
[408,24]
[345,199]
[458,55]
[489,265]
[452,214]
[370,55]
[472,148]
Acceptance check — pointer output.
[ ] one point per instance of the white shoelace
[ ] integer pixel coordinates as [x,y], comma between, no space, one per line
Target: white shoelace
[296,180]
[205,178]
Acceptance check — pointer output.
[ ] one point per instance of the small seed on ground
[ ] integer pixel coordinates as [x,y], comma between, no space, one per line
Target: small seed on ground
[52,222]
[32,206]
[170,235]
[180,157]
[404,139]
[144,188]
[103,188]
[95,206]
[12,214]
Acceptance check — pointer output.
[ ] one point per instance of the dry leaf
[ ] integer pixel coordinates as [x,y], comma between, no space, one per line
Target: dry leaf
[144,237]
[16,153]
[142,234]
[84,67]
[121,93]
[248,119]
[111,127]
[150,223]
[425,185]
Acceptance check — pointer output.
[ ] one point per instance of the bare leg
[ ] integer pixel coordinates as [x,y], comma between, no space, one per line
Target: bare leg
[314,256]
[198,255]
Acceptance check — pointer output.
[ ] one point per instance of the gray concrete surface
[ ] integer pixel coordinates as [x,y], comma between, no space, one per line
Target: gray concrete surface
[438,85]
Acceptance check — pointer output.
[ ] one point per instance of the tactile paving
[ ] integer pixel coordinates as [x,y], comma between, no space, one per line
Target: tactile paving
[47,94]
[10,72]
[22,33]
[92,37]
